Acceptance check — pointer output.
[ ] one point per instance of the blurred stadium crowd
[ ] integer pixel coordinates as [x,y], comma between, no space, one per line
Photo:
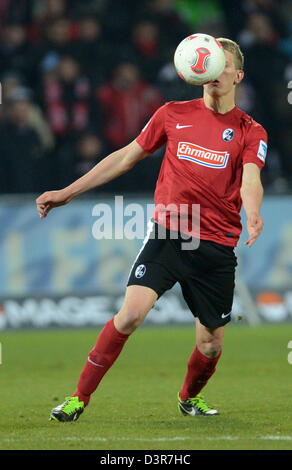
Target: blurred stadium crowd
[81,78]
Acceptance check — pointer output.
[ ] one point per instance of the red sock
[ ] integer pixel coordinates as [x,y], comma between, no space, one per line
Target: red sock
[200,369]
[106,350]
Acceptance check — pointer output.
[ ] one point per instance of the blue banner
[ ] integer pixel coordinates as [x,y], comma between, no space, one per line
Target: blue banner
[60,255]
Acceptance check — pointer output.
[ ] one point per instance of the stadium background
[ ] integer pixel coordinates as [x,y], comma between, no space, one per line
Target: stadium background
[81,79]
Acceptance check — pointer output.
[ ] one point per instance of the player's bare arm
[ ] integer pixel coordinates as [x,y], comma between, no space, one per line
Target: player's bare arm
[114,165]
[252,195]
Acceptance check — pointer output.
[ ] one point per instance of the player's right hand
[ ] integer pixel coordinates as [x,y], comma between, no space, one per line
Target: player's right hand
[254,226]
[46,201]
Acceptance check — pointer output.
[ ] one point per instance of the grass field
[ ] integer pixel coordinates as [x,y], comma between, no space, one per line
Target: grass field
[135,405]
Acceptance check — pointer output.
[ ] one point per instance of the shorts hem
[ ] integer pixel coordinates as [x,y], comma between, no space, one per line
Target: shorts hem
[213,325]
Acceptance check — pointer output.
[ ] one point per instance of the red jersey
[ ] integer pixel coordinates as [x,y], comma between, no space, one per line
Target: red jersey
[203,163]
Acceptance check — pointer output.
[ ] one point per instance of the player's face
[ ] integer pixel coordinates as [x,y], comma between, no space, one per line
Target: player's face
[227,80]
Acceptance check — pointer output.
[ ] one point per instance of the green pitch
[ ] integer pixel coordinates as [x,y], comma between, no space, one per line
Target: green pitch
[135,406]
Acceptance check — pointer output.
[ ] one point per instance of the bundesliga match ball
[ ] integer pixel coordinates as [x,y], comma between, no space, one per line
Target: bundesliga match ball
[199,59]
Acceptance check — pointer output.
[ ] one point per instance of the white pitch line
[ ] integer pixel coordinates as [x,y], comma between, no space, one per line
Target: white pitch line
[155,439]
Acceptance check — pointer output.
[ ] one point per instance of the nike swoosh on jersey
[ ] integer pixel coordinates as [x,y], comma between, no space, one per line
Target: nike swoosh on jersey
[181,127]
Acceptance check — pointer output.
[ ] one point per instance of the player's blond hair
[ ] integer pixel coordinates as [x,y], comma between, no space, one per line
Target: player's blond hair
[234,48]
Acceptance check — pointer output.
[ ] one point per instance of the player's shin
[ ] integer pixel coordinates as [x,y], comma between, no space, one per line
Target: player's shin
[200,369]
[106,350]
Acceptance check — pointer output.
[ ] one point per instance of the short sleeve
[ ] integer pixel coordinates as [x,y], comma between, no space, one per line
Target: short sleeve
[256,146]
[153,134]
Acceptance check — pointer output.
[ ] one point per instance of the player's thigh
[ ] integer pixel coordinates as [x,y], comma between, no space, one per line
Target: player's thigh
[138,301]
[209,340]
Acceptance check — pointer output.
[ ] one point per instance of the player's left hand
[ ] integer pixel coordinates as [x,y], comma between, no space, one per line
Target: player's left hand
[254,227]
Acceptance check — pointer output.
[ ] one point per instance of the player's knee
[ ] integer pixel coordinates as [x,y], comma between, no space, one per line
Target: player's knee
[210,347]
[129,318]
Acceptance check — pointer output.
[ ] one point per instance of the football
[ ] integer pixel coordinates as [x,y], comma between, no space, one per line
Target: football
[199,58]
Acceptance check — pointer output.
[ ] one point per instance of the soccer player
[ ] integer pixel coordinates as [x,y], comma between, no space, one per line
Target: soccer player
[214,154]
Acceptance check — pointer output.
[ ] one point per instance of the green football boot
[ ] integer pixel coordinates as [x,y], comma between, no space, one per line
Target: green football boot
[70,410]
[195,406]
